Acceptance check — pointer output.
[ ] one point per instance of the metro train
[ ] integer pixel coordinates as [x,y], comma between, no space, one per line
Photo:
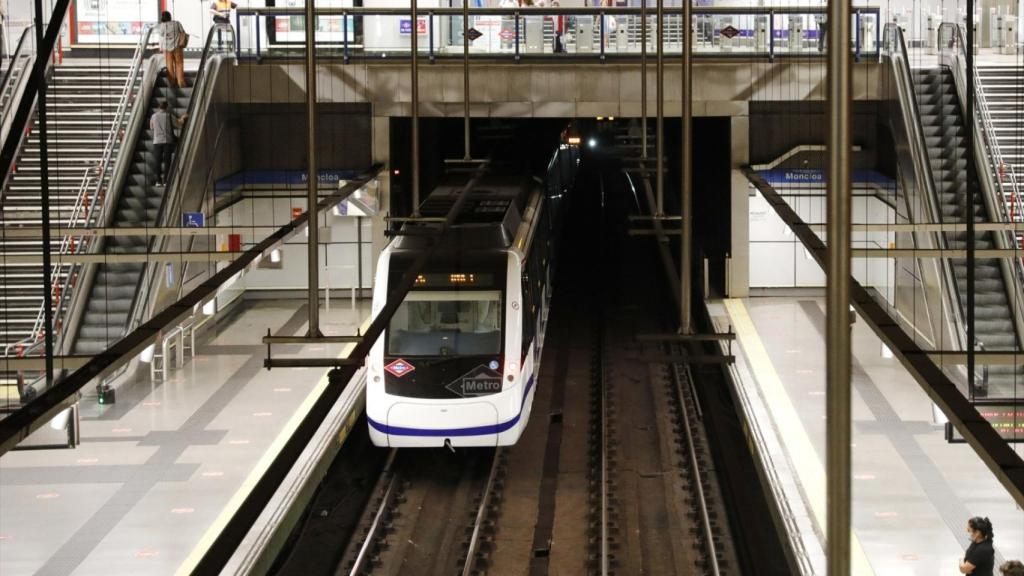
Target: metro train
[458,362]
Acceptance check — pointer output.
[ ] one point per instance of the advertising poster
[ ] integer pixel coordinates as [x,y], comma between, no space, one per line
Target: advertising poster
[112,21]
[330,29]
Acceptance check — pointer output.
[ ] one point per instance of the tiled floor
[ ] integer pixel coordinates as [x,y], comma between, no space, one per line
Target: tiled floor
[155,469]
[913,492]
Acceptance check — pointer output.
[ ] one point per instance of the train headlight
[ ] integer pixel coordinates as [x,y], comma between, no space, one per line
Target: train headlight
[511,370]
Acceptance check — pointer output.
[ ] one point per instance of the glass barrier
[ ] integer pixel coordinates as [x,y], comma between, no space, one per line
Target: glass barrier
[547,32]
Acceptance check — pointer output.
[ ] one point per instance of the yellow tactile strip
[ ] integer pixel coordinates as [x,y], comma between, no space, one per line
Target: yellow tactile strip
[798,446]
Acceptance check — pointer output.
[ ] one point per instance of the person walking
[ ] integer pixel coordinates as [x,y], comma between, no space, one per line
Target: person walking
[980,557]
[162,124]
[173,40]
[1012,568]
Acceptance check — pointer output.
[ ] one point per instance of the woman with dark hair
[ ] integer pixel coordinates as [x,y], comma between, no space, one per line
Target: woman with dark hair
[980,557]
[173,40]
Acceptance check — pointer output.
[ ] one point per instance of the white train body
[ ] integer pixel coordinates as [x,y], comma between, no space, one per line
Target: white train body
[458,363]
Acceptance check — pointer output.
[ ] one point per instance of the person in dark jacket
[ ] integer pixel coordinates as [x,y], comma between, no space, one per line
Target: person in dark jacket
[980,557]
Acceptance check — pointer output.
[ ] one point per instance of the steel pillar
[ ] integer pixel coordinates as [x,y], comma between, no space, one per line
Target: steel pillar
[686,202]
[312,173]
[837,333]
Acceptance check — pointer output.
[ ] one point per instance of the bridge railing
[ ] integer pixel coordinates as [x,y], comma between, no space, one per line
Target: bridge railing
[529,32]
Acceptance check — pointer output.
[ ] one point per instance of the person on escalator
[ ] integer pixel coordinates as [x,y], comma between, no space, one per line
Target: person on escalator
[162,124]
[221,11]
[173,40]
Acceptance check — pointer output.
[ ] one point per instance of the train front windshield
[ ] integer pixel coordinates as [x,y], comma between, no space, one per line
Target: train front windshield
[447,323]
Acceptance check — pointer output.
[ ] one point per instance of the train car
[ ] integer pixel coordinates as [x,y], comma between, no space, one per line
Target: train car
[458,363]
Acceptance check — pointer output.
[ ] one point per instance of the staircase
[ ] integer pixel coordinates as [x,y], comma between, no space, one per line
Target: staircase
[1003,90]
[115,285]
[81,105]
[942,122]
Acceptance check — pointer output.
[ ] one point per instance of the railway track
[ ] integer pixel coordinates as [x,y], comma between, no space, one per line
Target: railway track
[654,502]
[432,513]
[614,473]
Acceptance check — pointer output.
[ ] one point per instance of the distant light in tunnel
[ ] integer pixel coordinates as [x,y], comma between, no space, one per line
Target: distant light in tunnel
[592,143]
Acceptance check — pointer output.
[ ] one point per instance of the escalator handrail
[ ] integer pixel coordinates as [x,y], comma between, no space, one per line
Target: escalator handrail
[6,84]
[895,44]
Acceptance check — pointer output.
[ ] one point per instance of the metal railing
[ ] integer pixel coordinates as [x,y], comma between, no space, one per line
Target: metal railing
[88,206]
[538,32]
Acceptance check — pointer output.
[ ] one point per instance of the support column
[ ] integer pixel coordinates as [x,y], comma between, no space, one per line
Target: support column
[738,285]
[312,173]
[837,291]
[686,203]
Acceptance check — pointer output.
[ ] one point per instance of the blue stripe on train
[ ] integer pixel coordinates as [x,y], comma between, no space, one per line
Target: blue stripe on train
[471,431]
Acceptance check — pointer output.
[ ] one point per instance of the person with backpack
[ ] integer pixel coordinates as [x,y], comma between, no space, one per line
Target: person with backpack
[173,40]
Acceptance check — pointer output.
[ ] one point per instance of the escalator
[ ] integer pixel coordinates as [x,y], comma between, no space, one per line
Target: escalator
[953,174]
[115,285]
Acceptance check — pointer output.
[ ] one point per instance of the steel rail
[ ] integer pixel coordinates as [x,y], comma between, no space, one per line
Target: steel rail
[702,504]
[378,518]
[481,514]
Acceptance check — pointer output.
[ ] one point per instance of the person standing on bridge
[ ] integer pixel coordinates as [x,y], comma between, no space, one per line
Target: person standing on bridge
[980,557]
[221,10]
[173,40]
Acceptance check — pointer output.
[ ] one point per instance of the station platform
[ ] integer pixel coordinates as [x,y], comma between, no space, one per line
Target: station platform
[913,491]
[157,472]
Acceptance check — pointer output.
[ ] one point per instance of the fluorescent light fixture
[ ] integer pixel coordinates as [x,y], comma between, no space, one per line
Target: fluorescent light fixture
[275,255]
[146,356]
[210,308]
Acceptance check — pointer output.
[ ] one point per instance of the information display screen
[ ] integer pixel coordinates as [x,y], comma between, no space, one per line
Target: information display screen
[434,280]
[1007,419]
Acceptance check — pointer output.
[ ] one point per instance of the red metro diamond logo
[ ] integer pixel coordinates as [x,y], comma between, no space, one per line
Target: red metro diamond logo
[729,32]
[399,368]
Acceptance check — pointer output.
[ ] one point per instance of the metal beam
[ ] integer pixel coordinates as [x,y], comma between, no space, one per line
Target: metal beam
[643,78]
[312,173]
[44,193]
[33,363]
[837,291]
[125,257]
[686,201]
[1005,464]
[414,72]
[36,232]
[615,11]
[659,143]
[934,253]
[466,155]
[930,227]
